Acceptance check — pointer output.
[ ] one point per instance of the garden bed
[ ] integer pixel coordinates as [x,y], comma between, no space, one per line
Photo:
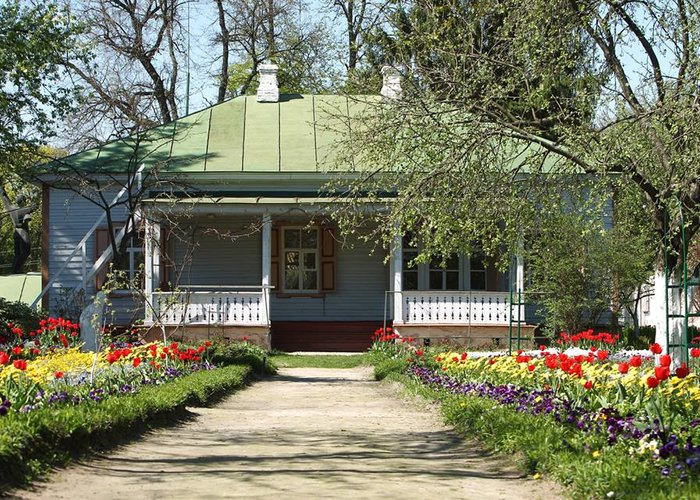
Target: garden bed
[31,442]
[602,422]
[57,401]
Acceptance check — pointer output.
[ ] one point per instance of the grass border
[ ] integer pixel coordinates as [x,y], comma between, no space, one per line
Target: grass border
[541,445]
[32,443]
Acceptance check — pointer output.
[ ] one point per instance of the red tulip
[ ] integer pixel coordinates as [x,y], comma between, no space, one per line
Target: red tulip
[652,382]
[588,385]
[695,352]
[655,348]
[636,361]
[20,364]
[623,367]
[662,372]
[682,371]
[136,362]
[58,374]
[665,360]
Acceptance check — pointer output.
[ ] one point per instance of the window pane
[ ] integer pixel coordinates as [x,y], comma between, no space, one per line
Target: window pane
[309,238]
[478,280]
[451,263]
[476,262]
[452,280]
[435,280]
[291,259]
[410,280]
[291,270]
[407,241]
[292,238]
[407,258]
[291,279]
[310,280]
[309,260]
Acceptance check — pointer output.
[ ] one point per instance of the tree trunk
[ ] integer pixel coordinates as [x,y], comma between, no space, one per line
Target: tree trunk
[223,76]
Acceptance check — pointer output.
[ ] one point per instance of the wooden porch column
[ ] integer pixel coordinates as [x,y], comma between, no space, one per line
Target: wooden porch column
[519,287]
[396,284]
[151,279]
[266,264]
[519,273]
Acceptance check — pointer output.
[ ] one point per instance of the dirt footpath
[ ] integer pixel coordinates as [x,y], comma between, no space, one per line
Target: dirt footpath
[306,433]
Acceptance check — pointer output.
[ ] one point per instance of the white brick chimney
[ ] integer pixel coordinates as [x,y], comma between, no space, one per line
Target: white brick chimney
[391,86]
[268,91]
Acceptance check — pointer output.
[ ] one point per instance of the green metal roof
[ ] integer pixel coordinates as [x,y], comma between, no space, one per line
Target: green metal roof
[296,134]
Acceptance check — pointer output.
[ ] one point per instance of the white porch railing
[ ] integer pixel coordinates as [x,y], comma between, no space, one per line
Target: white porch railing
[453,307]
[211,307]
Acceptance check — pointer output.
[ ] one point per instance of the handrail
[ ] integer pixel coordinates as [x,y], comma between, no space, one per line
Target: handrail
[223,287]
[81,246]
[442,293]
[261,292]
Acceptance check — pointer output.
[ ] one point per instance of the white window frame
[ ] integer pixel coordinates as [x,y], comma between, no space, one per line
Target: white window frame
[443,272]
[464,278]
[133,250]
[302,251]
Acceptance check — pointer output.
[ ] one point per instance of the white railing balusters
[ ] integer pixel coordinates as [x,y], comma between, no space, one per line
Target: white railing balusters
[477,307]
[212,307]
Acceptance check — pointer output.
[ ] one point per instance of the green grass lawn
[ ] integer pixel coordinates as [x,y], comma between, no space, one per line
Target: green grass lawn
[318,361]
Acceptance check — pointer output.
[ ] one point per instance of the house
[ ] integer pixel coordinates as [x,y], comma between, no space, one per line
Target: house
[238,241]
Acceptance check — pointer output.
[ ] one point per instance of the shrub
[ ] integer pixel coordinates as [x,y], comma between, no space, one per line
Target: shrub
[29,442]
[225,353]
[387,366]
[19,314]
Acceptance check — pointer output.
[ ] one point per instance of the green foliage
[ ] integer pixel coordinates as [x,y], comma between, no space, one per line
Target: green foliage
[578,266]
[384,368]
[545,446]
[638,340]
[504,119]
[29,442]
[18,313]
[226,353]
[34,42]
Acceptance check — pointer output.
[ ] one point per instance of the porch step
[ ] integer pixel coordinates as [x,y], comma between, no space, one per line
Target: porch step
[326,336]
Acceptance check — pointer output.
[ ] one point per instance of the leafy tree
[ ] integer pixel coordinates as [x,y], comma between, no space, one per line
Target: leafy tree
[510,103]
[34,93]
[34,96]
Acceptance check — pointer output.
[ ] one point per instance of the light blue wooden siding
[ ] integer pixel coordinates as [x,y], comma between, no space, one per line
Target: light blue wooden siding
[70,218]
[361,280]
[221,260]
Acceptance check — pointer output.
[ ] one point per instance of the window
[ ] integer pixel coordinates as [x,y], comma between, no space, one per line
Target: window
[300,258]
[477,271]
[133,259]
[444,276]
[410,269]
